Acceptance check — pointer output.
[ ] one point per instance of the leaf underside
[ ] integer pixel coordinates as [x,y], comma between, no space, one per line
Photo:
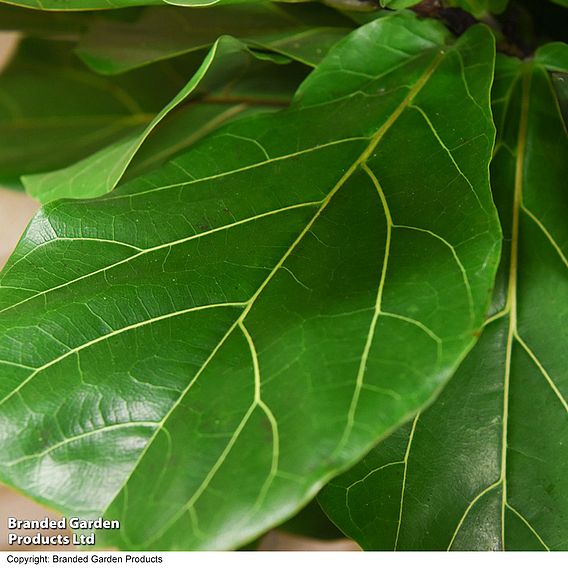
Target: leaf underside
[260,311]
[484,468]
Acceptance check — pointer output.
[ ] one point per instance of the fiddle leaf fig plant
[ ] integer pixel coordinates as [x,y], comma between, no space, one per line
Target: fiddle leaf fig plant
[288,251]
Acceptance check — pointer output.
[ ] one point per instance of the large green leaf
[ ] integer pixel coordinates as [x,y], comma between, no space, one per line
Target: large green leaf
[218,88]
[160,33]
[53,111]
[485,467]
[264,308]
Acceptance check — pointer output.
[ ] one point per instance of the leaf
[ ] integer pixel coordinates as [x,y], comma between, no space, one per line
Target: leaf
[78,5]
[307,47]
[561,2]
[312,522]
[207,3]
[560,81]
[484,468]
[34,22]
[398,4]
[262,309]
[55,112]
[553,56]
[258,87]
[479,8]
[160,33]
[101,172]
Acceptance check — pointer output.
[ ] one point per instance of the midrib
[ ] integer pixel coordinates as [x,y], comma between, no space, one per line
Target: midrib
[511,306]
[375,140]
[356,164]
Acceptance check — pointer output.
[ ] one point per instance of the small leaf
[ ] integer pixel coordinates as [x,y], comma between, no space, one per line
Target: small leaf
[553,56]
[207,3]
[259,312]
[484,468]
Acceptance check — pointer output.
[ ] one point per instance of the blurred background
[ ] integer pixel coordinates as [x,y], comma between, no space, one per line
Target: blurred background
[16,209]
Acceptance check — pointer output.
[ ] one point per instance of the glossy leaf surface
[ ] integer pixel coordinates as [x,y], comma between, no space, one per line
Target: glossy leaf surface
[485,467]
[263,309]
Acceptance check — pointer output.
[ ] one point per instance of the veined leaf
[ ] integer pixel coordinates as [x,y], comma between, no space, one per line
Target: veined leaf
[265,307]
[165,32]
[485,467]
[101,172]
[259,87]
[561,2]
[553,56]
[54,111]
